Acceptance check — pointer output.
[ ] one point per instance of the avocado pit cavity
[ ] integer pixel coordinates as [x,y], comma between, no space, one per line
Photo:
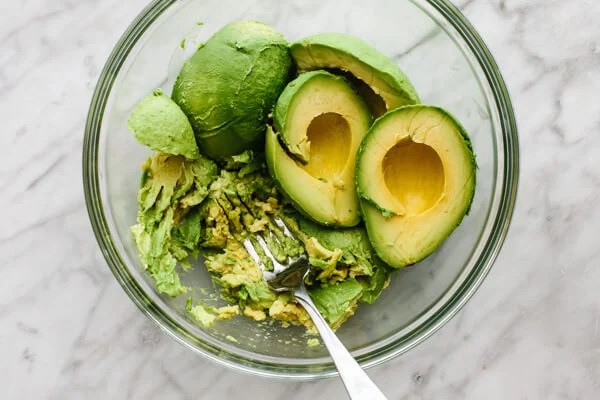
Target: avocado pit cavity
[414,175]
[329,138]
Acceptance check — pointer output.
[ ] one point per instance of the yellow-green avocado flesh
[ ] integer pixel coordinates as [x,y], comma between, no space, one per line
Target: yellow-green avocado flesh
[379,80]
[320,122]
[415,175]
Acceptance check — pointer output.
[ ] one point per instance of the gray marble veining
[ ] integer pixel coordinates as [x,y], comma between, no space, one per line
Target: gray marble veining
[68,331]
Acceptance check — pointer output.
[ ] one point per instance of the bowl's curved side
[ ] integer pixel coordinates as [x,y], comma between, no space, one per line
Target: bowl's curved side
[506,190]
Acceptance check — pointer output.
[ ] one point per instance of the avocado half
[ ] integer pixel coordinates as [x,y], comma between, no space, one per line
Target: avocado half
[229,86]
[415,176]
[383,85]
[320,122]
[157,122]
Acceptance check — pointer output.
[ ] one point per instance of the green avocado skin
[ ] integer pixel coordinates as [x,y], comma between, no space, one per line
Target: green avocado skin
[342,48]
[159,123]
[229,86]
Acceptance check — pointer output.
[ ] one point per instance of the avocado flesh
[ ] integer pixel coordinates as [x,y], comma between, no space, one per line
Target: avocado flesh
[320,122]
[356,252]
[229,86]
[190,207]
[168,229]
[337,302]
[416,180]
[157,122]
[376,77]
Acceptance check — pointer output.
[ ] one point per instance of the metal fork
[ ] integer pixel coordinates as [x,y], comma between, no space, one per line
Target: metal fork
[289,277]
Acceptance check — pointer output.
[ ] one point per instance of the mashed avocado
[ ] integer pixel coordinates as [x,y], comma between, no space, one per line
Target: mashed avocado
[167,231]
[187,208]
[207,315]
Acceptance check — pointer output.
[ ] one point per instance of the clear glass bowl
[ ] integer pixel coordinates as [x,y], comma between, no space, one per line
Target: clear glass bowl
[449,65]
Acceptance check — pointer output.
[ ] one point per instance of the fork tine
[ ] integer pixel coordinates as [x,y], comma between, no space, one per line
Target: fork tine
[274,228]
[276,232]
[282,277]
[279,222]
[274,240]
[279,235]
[265,247]
[277,266]
[249,246]
[252,251]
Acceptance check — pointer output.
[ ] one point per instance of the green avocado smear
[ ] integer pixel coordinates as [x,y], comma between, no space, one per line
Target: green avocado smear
[190,208]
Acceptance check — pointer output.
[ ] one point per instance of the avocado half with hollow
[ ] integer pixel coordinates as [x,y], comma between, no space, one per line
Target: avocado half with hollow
[320,122]
[229,86]
[415,175]
[379,80]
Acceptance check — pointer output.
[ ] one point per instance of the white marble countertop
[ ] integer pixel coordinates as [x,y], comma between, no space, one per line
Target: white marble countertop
[68,331]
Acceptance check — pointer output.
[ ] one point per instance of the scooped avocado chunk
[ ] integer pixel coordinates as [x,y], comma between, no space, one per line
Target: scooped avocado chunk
[416,179]
[337,302]
[159,123]
[320,122]
[356,252]
[383,85]
[229,86]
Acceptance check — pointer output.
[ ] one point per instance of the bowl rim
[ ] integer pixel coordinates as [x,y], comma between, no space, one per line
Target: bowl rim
[102,232]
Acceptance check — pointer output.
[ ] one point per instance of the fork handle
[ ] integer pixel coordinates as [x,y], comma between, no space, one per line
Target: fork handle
[358,384]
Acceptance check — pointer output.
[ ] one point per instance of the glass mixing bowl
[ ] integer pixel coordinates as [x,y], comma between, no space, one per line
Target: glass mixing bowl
[449,65]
